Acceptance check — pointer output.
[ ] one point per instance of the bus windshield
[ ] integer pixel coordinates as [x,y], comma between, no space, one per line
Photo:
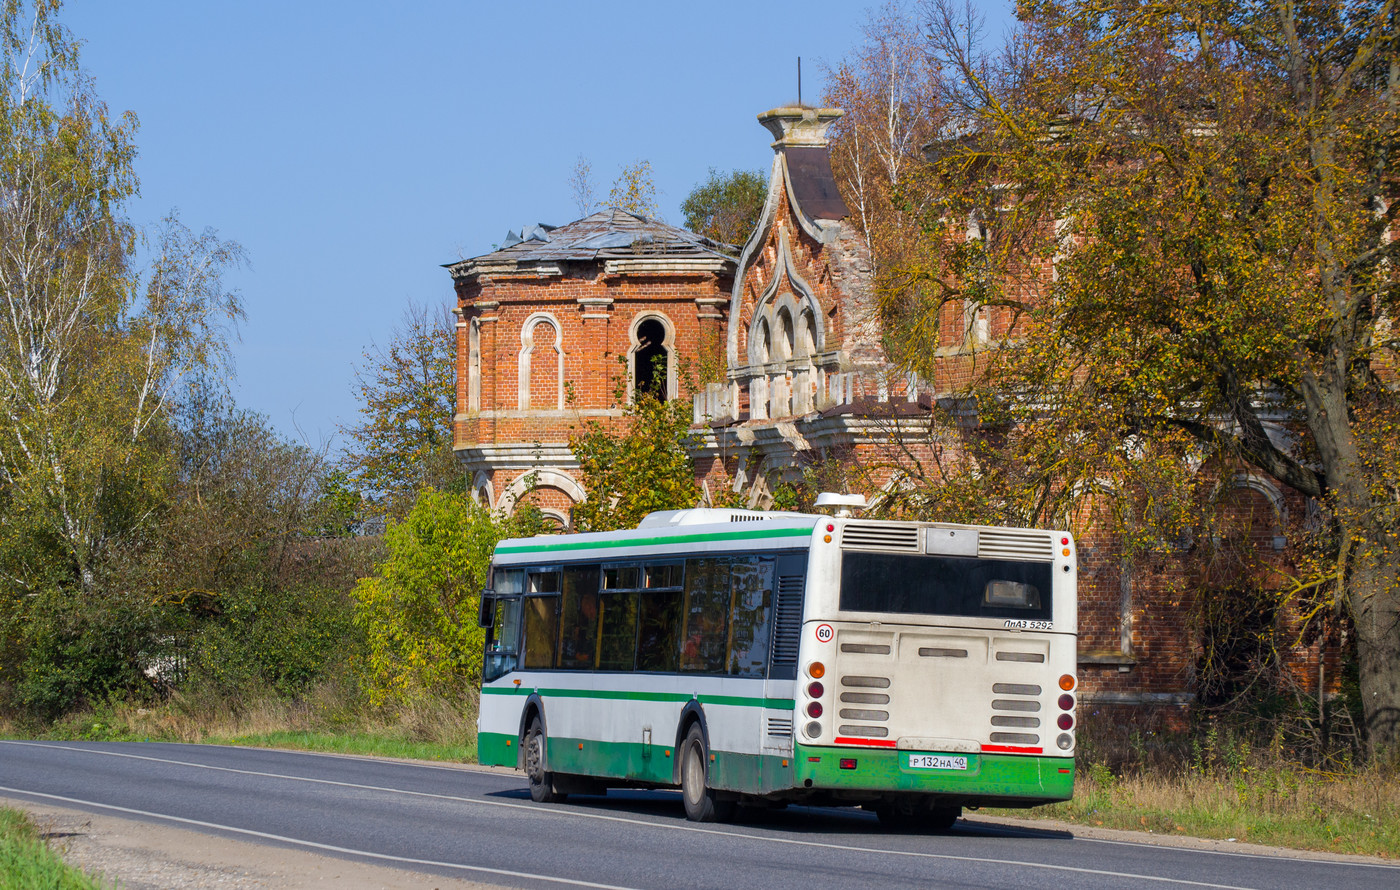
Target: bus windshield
[955,586]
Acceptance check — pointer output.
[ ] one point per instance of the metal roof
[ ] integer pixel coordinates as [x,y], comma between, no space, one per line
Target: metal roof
[813,185]
[609,234]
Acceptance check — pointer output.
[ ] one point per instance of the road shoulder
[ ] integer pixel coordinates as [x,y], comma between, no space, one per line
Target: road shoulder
[145,855]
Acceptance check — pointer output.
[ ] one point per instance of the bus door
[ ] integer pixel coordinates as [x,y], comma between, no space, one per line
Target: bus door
[781,683]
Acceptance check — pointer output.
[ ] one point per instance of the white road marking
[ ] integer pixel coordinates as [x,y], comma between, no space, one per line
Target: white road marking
[314,845]
[656,825]
[1029,832]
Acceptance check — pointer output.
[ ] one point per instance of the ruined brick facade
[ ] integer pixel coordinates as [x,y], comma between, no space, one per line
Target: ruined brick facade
[555,325]
[790,333]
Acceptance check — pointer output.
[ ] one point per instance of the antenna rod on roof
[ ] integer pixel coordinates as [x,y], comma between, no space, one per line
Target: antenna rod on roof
[799,81]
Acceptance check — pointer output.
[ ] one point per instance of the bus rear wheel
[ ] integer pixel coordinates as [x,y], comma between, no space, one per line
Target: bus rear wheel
[541,780]
[701,803]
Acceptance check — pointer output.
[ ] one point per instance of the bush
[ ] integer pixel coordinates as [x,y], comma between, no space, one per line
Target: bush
[280,640]
[418,611]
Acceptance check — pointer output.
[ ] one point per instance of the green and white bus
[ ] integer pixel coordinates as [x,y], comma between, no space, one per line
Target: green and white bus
[912,668]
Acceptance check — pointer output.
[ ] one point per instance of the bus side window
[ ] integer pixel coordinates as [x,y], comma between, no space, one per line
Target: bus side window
[752,615]
[579,619]
[659,631]
[705,640]
[502,639]
[618,645]
[541,630]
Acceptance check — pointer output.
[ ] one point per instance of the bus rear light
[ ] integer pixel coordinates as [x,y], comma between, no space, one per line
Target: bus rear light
[1065,721]
[1066,702]
[830,527]
[848,763]
[816,670]
[1067,682]
[815,689]
[1065,741]
[814,731]
[1065,551]
[1064,541]
[814,709]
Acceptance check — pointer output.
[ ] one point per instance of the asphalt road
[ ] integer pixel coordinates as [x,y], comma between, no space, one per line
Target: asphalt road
[482,826]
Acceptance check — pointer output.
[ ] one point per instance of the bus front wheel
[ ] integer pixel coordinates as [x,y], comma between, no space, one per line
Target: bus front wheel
[541,780]
[701,803]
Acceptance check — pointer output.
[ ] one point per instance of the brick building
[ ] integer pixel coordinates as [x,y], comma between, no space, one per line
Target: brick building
[560,321]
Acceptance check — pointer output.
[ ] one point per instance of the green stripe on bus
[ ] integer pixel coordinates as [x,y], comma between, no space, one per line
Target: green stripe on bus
[737,701]
[652,542]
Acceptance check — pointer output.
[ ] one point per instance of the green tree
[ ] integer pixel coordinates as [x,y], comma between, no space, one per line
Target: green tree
[95,352]
[634,190]
[1212,185]
[92,350]
[725,208]
[630,472]
[419,609]
[404,441]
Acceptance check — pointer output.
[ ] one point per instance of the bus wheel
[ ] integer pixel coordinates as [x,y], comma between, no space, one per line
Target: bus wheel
[905,817]
[541,780]
[701,804]
[942,818]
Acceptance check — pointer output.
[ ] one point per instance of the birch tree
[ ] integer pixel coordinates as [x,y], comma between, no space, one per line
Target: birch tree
[92,349]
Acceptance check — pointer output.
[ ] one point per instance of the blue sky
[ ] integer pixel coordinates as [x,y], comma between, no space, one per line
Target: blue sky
[354,147]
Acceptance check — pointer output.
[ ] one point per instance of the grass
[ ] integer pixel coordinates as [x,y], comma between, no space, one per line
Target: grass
[361,743]
[27,863]
[330,718]
[1285,806]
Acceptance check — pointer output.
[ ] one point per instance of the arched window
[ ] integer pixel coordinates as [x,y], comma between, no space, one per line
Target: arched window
[541,378]
[763,347]
[474,365]
[651,371]
[783,335]
[807,343]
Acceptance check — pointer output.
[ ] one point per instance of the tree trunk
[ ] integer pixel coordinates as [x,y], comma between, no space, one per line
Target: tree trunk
[1373,598]
[1370,577]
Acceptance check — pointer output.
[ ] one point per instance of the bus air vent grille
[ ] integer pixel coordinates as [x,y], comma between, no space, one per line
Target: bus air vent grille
[864,732]
[787,619]
[741,517]
[1001,543]
[1015,738]
[880,536]
[780,726]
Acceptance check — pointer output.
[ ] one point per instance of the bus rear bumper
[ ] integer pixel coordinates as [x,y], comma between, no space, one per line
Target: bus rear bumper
[984,779]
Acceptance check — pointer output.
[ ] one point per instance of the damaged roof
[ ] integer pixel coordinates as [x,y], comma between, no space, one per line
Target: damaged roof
[609,234]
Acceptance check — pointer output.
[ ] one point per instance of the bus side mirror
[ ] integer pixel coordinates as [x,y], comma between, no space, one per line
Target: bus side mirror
[486,616]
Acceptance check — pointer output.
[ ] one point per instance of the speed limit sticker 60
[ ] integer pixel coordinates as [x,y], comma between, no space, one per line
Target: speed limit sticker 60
[825,633]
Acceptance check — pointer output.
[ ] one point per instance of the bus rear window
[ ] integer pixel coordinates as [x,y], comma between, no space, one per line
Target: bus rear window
[945,585]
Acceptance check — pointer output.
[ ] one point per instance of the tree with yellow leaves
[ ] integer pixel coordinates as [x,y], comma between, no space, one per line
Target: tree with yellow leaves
[1189,207]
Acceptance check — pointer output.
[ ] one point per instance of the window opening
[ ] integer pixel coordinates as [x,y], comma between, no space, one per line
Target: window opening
[649,362]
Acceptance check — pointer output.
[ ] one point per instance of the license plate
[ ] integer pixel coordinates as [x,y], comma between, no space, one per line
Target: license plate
[936,761]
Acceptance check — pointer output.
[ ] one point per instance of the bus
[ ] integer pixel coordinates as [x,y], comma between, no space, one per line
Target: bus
[765,658]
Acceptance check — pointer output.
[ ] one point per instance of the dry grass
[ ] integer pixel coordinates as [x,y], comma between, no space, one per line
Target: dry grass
[331,718]
[1280,805]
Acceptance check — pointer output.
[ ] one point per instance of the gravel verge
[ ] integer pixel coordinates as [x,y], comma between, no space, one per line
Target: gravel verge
[136,855]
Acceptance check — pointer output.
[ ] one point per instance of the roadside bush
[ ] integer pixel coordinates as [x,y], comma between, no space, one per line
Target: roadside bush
[418,611]
[72,650]
[278,640]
